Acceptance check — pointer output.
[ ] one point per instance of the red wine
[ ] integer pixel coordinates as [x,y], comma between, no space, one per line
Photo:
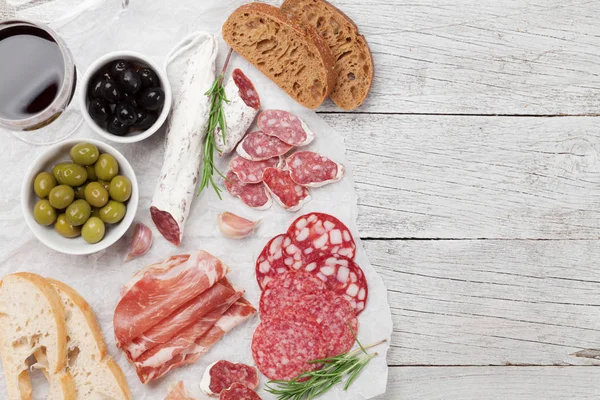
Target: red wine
[31,71]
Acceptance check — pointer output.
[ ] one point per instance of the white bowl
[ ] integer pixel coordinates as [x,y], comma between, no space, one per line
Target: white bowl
[136,58]
[46,234]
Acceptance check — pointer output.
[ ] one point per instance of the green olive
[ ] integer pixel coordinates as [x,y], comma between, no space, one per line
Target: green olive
[73,175]
[106,167]
[44,213]
[95,212]
[57,171]
[78,212]
[65,228]
[43,183]
[95,194]
[80,192]
[93,230]
[105,185]
[120,188]
[84,154]
[61,196]
[91,171]
[113,212]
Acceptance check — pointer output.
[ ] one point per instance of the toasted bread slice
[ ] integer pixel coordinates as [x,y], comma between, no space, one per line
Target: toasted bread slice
[32,323]
[96,375]
[292,55]
[353,60]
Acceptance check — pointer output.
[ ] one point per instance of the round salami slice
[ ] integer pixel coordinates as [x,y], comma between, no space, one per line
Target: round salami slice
[287,193]
[282,346]
[270,262]
[222,374]
[311,169]
[237,391]
[252,171]
[318,234]
[286,127]
[336,317]
[342,276]
[253,195]
[285,290]
[257,146]
[247,91]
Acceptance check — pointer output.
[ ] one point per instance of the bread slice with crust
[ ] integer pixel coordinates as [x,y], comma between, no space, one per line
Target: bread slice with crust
[292,55]
[353,60]
[95,373]
[32,323]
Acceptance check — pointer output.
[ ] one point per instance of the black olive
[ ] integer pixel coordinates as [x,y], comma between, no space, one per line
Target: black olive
[145,119]
[111,91]
[152,98]
[126,114]
[94,88]
[149,78]
[130,99]
[131,81]
[115,127]
[99,110]
[118,67]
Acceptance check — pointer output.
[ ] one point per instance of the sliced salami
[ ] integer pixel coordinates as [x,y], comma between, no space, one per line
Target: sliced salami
[221,375]
[252,171]
[285,126]
[246,89]
[288,193]
[270,262]
[318,234]
[335,316]
[342,276]
[239,392]
[253,195]
[257,146]
[311,169]
[282,346]
[285,290]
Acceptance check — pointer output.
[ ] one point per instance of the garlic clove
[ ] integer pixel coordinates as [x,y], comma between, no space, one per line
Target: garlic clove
[142,240]
[235,227]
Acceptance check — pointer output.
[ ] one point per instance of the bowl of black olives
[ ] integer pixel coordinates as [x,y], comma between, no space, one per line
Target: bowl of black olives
[126,97]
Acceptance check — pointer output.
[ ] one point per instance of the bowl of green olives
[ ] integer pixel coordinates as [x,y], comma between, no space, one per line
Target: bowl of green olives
[80,197]
[126,97]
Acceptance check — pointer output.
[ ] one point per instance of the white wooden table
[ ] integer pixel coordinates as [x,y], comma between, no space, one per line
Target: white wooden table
[478,173]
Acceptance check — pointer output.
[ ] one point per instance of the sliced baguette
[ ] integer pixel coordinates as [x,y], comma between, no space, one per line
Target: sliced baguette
[32,322]
[292,55]
[353,59]
[95,373]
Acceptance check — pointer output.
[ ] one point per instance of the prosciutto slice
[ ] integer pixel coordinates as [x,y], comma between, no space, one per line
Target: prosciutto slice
[160,290]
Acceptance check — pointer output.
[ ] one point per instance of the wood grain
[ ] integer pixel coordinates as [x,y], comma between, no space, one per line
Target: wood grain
[492,383]
[474,177]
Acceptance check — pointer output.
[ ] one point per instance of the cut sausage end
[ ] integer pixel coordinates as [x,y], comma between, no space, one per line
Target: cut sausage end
[166,225]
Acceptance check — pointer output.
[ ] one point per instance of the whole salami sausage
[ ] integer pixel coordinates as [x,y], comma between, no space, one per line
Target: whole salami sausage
[187,126]
[288,193]
[285,126]
[252,171]
[254,195]
[240,110]
[257,146]
[311,169]
[237,391]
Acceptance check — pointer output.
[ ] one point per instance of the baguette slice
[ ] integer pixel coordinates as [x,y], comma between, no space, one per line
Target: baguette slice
[353,60]
[32,323]
[292,55]
[95,373]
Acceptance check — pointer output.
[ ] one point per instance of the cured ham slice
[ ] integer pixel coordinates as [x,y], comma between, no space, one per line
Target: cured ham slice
[179,320]
[160,290]
[178,392]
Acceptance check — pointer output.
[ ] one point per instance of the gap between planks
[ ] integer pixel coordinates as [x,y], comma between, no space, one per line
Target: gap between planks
[456,114]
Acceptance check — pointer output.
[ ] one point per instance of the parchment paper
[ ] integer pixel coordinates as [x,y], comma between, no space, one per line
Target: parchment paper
[153,28]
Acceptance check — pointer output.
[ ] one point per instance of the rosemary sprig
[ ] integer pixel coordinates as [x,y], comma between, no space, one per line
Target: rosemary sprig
[309,385]
[216,118]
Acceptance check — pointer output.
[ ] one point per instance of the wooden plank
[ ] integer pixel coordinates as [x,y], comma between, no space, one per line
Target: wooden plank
[492,383]
[481,57]
[474,177]
[491,302]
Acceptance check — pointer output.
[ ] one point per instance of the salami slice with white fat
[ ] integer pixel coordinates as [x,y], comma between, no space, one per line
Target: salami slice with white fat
[221,375]
[254,195]
[240,110]
[285,126]
[286,192]
[343,276]
[318,234]
[282,346]
[185,133]
[257,146]
[239,392]
[270,262]
[285,290]
[252,171]
[311,169]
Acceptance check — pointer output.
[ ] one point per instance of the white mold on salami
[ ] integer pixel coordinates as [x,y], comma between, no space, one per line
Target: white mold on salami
[286,192]
[286,127]
[257,146]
